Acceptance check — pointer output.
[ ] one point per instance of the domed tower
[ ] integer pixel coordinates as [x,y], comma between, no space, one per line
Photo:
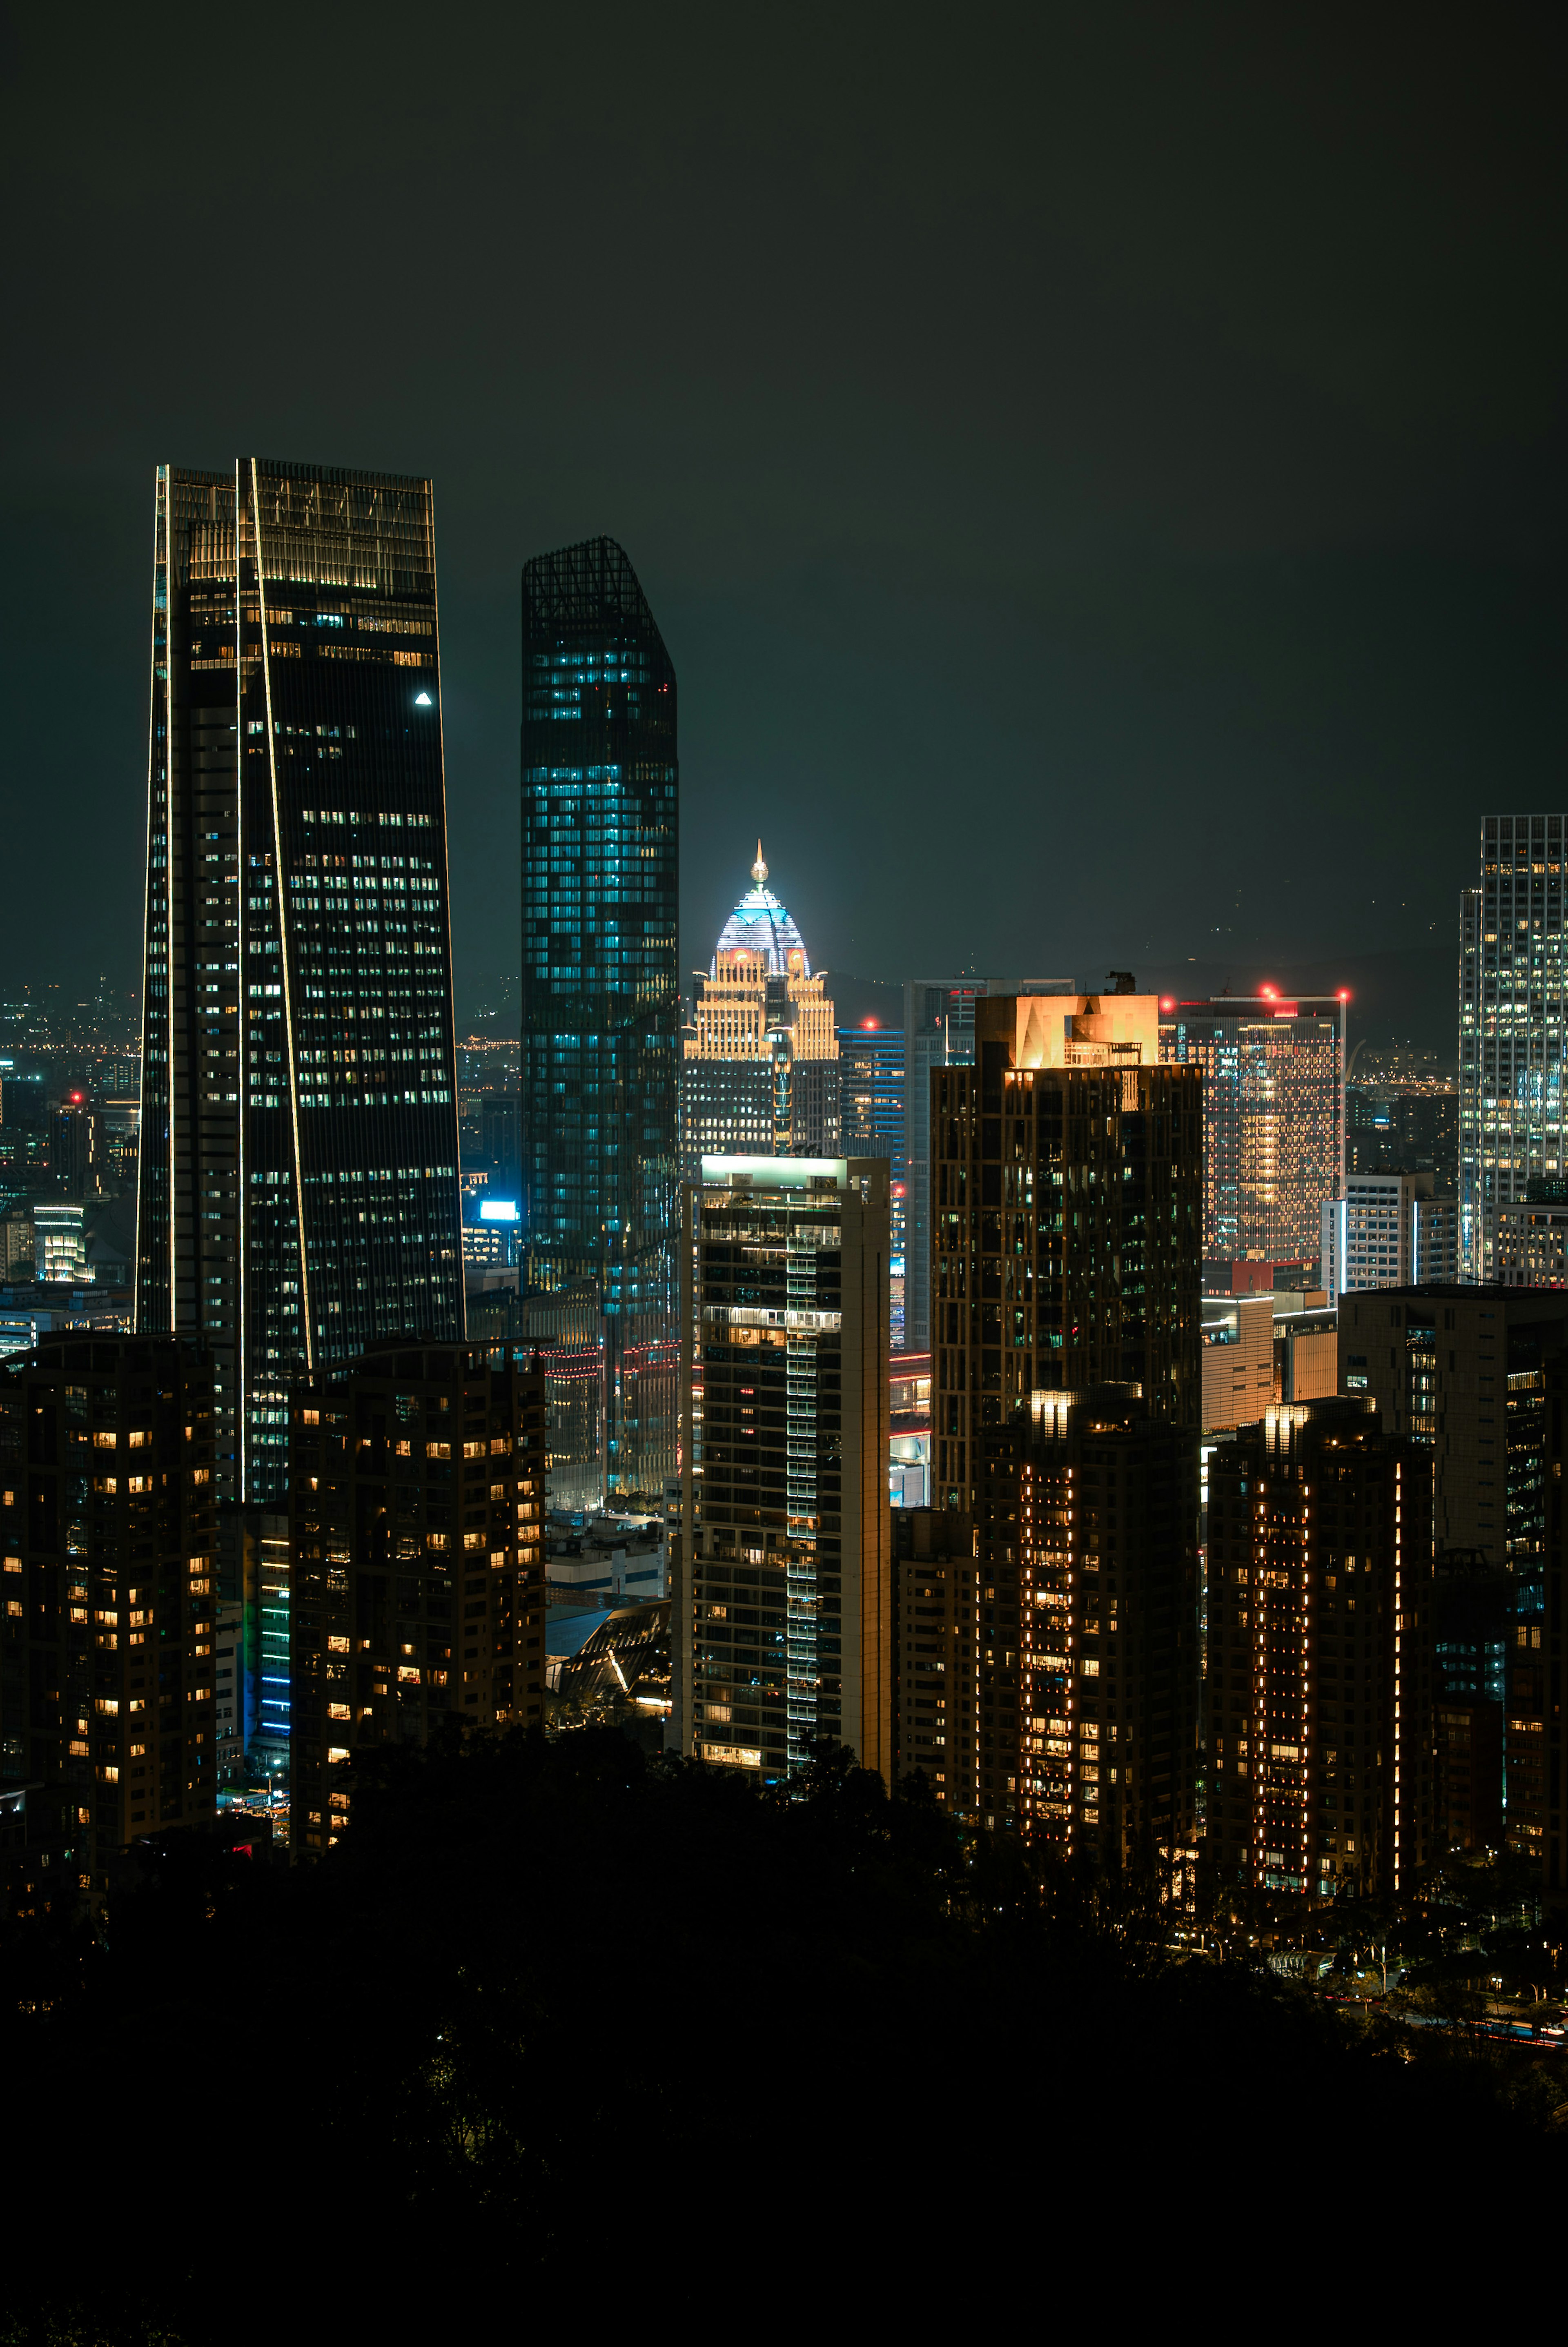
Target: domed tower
[760,1070]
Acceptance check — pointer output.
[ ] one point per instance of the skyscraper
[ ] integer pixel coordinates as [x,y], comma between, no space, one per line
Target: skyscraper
[298,1190]
[873,1121]
[759,1073]
[1066,1209]
[783,1608]
[600,1013]
[1274,1118]
[1513,1027]
[938,1033]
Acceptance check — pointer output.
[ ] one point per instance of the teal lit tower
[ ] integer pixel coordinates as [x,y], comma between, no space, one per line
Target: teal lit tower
[600,1019]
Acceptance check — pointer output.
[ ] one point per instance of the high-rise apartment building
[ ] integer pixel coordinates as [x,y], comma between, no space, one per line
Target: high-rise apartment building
[1388,1230]
[1088,1528]
[1066,1214]
[1529,1242]
[784,1594]
[601,1012]
[760,1065]
[1319,1608]
[298,1171]
[416,1506]
[107,1510]
[938,1033]
[1274,1118]
[1513,1026]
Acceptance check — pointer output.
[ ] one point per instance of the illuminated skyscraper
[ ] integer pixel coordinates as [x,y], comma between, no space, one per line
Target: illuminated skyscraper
[1274,1118]
[1513,1027]
[760,1074]
[600,1015]
[784,1599]
[298,1190]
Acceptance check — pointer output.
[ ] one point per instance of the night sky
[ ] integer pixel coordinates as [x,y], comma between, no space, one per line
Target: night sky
[1096,470]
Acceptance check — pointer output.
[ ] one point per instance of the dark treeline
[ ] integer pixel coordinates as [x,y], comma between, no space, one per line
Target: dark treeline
[557,2028]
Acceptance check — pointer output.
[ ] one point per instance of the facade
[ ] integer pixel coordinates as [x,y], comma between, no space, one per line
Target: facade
[938,1581]
[415,1511]
[1461,1369]
[874,1116]
[298,1169]
[600,1009]
[1409,1129]
[909,1429]
[1473,1630]
[938,1033]
[76,1151]
[1463,1372]
[1238,1367]
[1513,1026]
[1089,1523]
[784,1589]
[760,1061]
[1388,1230]
[1320,1666]
[1530,1242]
[108,1497]
[1274,1118]
[1066,1214]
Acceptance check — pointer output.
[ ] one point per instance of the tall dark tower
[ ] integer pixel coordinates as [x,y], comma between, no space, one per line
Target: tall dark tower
[299,1192]
[601,1018]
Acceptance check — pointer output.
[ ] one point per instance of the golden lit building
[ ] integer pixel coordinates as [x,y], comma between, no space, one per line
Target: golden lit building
[760,1074]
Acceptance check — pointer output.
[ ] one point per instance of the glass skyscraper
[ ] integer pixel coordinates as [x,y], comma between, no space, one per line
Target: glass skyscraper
[298,1192]
[601,1018]
[1513,1029]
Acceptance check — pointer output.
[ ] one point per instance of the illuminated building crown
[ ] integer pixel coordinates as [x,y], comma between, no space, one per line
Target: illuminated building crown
[760,924]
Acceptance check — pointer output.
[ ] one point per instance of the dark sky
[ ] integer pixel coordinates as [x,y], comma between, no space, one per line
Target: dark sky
[1097,469]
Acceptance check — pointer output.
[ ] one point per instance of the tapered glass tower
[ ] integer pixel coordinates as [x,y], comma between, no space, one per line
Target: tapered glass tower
[298,1159]
[601,1016]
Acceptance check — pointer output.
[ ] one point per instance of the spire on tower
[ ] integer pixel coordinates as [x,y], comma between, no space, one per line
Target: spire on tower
[759,869]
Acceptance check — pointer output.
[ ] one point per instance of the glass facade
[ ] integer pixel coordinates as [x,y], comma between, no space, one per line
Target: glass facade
[297,1191]
[601,1012]
[1513,1021]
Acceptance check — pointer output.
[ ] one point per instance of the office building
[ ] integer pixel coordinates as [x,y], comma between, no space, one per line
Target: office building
[1529,1242]
[1513,1020]
[416,1504]
[1274,1120]
[1066,1212]
[76,1153]
[298,1171]
[938,1033]
[784,1594]
[1388,1230]
[107,1485]
[1404,1129]
[759,1069]
[1305,1348]
[600,1011]
[1320,1666]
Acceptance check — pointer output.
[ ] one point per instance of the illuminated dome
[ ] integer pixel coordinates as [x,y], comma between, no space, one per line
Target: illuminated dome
[760,924]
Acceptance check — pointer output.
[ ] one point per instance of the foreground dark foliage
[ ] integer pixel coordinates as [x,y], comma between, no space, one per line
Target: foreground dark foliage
[560,2030]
